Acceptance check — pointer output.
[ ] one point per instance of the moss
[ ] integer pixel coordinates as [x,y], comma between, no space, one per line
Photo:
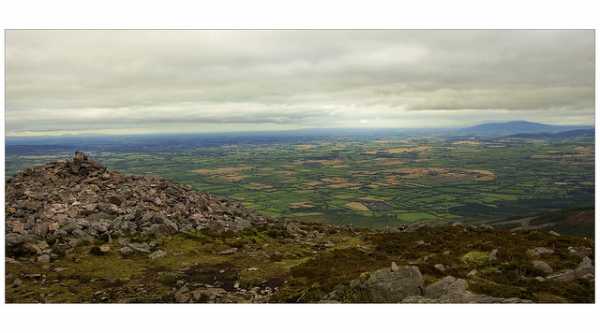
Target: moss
[223,275]
[303,271]
[476,258]
[268,274]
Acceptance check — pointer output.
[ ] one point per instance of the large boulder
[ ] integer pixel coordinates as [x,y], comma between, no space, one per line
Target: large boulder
[446,286]
[385,285]
[452,290]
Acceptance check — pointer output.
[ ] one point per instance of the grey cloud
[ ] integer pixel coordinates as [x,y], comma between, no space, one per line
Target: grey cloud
[86,79]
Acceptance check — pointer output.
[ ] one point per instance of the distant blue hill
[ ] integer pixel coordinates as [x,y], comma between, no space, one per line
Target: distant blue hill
[515,127]
[578,133]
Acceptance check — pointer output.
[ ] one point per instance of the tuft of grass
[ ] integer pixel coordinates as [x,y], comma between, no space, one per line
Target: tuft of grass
[476,258]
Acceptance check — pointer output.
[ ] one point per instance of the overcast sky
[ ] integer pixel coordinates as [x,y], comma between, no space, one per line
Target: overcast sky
[70,82]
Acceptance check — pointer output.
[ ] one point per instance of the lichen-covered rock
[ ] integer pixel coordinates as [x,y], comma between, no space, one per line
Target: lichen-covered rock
[381,286]
[385,285]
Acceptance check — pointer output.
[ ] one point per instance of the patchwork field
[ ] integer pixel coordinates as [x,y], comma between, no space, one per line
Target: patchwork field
[374,182]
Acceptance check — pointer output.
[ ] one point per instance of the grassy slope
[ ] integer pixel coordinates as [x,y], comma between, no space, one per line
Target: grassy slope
[302,271]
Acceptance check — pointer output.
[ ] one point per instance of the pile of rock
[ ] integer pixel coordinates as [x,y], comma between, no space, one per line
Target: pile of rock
[57,206]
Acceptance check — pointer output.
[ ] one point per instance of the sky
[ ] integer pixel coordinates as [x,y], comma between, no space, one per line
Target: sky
[133,82]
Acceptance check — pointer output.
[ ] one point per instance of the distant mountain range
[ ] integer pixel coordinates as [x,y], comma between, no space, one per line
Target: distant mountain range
[578,133]
[516,127]
[136,142]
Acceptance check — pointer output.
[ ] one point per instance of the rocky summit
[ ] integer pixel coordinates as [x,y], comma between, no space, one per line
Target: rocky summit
[67,202]
[77,232]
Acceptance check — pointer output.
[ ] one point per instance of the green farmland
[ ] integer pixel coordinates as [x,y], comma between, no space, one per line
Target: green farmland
[378,182]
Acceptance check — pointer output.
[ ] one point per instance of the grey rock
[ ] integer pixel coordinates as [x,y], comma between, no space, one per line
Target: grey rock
[13,239]
[563,276]
[210,295]
[140,247]
[384,286]
[452,290]
[183,295]
[585,268]
[229,251]
[580,251]
[157,254]
[100,226]
[447,287]
[126,251]
[472,273]
[542,266]
[44,258]
[494,255]
[33,248]
[539,251]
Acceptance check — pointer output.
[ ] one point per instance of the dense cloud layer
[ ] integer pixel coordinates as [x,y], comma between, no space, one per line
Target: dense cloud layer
[169,81]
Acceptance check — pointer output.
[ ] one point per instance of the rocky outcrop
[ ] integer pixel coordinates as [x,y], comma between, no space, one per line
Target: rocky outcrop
[404,284]
[393,285]
[585,270]
[387,285]
[65,203]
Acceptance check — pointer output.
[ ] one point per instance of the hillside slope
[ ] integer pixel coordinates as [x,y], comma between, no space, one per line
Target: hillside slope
[515,127]
[76,232]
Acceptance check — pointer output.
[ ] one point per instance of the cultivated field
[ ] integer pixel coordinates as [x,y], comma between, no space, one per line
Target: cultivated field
[373,182]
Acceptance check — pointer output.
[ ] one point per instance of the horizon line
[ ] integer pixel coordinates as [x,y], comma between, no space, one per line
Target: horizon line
[157,133]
